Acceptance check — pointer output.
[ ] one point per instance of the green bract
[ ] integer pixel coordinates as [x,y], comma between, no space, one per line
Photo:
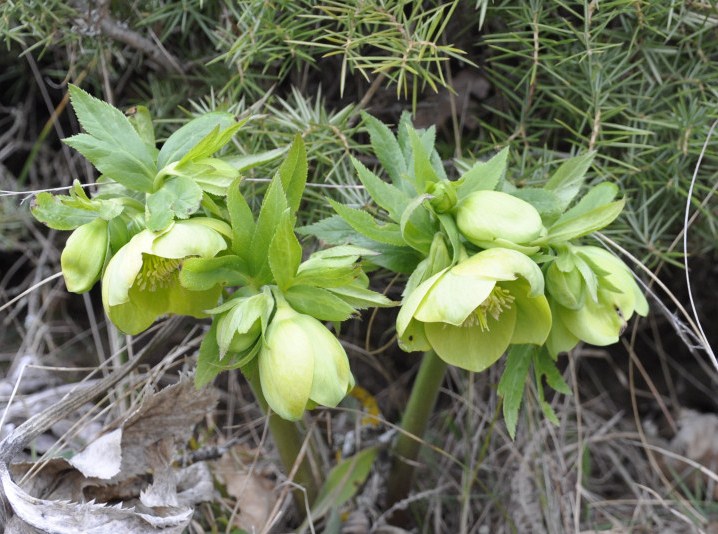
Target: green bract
[608,298]
[494,219]
[84,254]
[470,313]
[301,363]
[141,281]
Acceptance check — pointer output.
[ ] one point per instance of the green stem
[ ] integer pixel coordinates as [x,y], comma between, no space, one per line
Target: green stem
[289,442]
[421,403]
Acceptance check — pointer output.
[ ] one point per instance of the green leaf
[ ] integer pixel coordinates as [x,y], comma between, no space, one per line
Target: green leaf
[319,303]
[249,161]
[285,252]
[141,121]
[179,197]
[183,140]
[67,212]
[333,230]
[567,228]
[512,383]
[273,206]
[386,148]
[212,142]
[241,219]
[362,222]
[545,366]
[484,175]
[595,197]
[293,173]
[424,173]
[111,142]
[386,196]
[361,298]
[213,175]
[343,482]
[546,202]
[200,274]
[417,228]
[566,182]
[327,275]
[208,364]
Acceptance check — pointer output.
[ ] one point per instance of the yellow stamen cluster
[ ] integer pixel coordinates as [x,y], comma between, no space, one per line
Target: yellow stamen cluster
[497,302]
[156,272]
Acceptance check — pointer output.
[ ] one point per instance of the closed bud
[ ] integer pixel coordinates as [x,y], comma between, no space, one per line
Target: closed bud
[444,196]
[83,257]
[566,288]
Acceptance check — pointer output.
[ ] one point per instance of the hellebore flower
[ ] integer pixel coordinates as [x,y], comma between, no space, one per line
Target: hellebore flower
[598,314]
[491,219]
[84,254]
[470,313]
[141,281]
[301,364]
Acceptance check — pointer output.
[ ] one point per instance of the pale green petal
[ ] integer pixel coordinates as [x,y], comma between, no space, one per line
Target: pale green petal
[533,315]
[453,298]
[331,366]
[83,257]
[560,339]
[503,264]
[413,338]
[182,301]
[597,324]
[123,268]
[490,215]
[286,380]
[139,311]
[412,302]
[503,243]
[187,238]
[471,348]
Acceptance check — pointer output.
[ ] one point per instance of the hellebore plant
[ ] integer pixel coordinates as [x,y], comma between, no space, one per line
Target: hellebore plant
[477,250]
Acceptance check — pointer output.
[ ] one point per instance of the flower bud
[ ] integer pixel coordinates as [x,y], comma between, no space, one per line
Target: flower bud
[495,219]
[444,196]
[566,288]
[83,257]
[301,364]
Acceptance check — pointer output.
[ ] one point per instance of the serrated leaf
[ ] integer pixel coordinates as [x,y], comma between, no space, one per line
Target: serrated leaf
[361,298]
[293,173]
[183,140]
[319,303]
[512,383]
[212,142]
[200,274]
[424,173]
[333,230]
[484,175]
[141,121]
[111,142]
[249,161]
[213,175]
[208,362]
[179,197]
[545,366]
[385,195]
[285,252]
[567,228]
[67,212]
[595,197]
[273,205]
[241,219]
[417,228]
[388,233]
[566,182]
[386,148]
[546,202]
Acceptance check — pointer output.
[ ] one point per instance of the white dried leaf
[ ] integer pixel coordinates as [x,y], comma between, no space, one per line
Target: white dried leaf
[101,458]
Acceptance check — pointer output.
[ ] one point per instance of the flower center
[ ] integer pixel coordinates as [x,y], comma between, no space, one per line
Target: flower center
[498,301]
[156,272]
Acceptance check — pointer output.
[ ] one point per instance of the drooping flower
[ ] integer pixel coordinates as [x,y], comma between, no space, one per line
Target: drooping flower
[491,219]
[470,313]
[141,281]
[84,255]
[301,364]
[605,297]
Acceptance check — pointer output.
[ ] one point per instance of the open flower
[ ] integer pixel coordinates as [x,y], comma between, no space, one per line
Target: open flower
[470,313]
[301,364]
[598,314]
[141,281]
[494,219]
[84,254]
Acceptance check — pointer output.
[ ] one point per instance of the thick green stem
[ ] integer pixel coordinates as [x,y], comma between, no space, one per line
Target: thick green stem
[289,442]
[413,424]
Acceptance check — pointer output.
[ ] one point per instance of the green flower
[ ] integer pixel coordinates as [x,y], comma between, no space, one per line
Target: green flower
[494,219]
[301,364]
[84,255]
[593,301]
[470,313]
[141,281]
